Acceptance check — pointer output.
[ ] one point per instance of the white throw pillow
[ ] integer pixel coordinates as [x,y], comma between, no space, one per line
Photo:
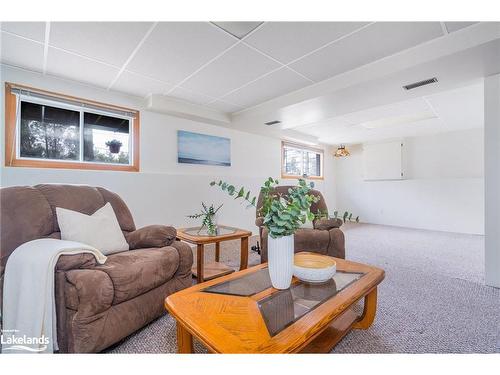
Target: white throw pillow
[100,230]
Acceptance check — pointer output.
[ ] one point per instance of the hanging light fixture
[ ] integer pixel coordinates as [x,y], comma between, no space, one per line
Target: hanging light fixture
[341,152]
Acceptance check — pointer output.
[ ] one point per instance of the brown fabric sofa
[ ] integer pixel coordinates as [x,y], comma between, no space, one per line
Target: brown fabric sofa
[325,238]
[97,305]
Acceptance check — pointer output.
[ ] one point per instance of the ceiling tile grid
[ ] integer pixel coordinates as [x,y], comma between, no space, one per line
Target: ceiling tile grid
[30,30]
[139,85]
[287,41]
[230,71]
[199,62]
[455,26]
[21,52]
[67,65]
[110,42]
[239,29]
[174,50]
[272,85]
[379,40]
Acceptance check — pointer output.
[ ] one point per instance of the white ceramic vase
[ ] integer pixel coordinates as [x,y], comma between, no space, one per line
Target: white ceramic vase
[280,261]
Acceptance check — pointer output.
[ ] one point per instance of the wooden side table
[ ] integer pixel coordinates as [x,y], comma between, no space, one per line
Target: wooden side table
[214,269]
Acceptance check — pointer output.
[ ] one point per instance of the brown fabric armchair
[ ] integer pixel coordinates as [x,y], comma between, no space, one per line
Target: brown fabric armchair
[325,238]
[97,305]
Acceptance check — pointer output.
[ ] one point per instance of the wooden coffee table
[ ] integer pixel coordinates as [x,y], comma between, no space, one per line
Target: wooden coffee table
[242,313]
[214,269]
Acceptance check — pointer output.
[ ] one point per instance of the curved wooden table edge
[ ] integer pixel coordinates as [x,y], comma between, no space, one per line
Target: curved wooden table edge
[369,293]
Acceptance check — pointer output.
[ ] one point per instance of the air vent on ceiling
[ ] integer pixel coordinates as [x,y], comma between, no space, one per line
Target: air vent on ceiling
[412,86]
[273,122]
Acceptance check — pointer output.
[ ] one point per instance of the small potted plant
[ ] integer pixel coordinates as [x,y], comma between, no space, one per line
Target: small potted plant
[208,215]
[114,146]
[283,215]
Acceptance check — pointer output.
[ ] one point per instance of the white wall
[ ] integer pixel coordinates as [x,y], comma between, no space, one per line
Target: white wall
[492,186]
[443,189]
[165,191]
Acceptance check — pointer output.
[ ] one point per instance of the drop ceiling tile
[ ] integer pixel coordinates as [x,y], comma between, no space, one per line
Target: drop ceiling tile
[224,106]
[138,85]
[272,85]
[21,52]
[232,70]
[190,96]
[174,50]
[238,29]
[287,41]
[32,30]
[67,65]
[454,26]
[372,43]
[110,42]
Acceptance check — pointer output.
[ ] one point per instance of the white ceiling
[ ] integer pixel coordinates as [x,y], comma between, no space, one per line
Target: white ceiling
[200,62]
[209,64]
[446,111]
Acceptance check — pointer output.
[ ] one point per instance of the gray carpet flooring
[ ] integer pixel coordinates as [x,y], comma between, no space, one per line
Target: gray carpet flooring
[432,300]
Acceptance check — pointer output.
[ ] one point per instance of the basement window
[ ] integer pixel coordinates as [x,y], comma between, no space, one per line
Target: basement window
[49,130]
[301,161]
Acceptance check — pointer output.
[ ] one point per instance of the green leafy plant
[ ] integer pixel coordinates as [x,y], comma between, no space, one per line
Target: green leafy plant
[283,214]
[347,216]
[208,215]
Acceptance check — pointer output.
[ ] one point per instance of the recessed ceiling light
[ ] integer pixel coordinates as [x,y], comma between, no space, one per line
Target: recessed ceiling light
[390,122]
[238,29]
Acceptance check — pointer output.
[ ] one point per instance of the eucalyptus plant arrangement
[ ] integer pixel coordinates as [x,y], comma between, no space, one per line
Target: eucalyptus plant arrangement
[346,217]
[208,215]
[283,215]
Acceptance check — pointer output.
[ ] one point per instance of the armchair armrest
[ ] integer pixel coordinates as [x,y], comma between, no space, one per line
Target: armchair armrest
[90,291]
[75,261]
[327,224]
[151,236]
[185,258]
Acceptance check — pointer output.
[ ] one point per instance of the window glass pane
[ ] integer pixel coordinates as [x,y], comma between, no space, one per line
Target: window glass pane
[292,159]
[301,162]
[49,133]
[312,161]
[105,139]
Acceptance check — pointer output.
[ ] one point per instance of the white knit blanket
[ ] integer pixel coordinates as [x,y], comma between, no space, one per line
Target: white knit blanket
[29,314]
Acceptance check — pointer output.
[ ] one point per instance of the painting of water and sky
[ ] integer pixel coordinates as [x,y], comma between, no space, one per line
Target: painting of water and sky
[195,148]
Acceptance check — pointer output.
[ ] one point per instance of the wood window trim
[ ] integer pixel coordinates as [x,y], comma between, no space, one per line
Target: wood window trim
[305,147]
[11,159]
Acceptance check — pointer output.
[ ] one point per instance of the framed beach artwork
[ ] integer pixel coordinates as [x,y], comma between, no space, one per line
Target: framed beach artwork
[196,148]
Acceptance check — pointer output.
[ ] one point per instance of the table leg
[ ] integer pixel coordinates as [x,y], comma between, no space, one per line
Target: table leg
[217,251]
[244,253]
[184,340]
[199,262]
[369,310]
